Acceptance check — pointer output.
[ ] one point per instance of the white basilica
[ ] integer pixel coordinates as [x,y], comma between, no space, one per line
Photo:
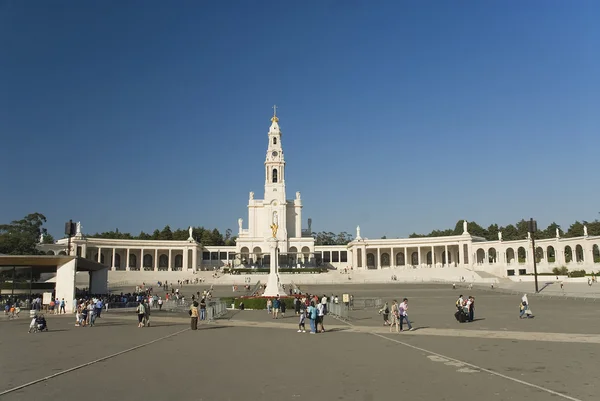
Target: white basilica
[297,249]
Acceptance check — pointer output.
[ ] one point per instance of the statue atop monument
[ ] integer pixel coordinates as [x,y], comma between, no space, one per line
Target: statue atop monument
[190,231]
[585,233]
[78,229]
[274,226]
[465,227]
[499,235]
[557,233]
[251,195]
[298,195]
[358,233]
[240,221]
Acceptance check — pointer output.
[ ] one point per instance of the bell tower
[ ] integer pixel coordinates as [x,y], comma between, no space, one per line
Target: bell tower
[274,164]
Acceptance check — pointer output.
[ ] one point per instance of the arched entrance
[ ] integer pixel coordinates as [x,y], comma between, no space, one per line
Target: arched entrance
[550,254]
[522,255]
[480,256]
[579,257]
[510,255]
[371,261]
[400,259]
[492,256]
[148,262]
[568,254]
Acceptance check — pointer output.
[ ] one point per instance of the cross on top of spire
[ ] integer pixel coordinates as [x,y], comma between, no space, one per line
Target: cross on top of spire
[274,118]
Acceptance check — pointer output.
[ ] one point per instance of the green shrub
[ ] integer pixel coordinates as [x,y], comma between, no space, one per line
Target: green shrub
[261,303]
[560,271]
[578,273]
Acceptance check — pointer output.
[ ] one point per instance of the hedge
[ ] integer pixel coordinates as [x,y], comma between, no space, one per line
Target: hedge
[256,302]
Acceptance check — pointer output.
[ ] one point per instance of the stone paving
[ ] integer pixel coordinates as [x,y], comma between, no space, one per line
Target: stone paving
[249,355]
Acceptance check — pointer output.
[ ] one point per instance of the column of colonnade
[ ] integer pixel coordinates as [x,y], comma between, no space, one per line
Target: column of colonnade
[184,252]
[448,255]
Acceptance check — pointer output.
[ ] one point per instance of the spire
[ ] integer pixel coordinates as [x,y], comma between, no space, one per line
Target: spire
[274,118]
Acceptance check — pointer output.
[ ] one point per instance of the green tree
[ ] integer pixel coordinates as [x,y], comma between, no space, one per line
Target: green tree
[166,234]
[522,229]
[492,232]
[550,231]
[144,236]
[21,236]
[575,230]
[509,233]
[48,239]
[593,228]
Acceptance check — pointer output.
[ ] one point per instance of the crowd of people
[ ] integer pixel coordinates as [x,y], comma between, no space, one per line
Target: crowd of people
[396,315]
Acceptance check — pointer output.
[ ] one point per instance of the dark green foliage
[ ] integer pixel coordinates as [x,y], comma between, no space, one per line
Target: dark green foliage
[261,303]
[515,232]
[329,238]
[21,236]
[560,271]
[200,234]
[577,273]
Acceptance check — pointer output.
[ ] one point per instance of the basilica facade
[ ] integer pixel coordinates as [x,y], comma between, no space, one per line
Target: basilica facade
[277,216]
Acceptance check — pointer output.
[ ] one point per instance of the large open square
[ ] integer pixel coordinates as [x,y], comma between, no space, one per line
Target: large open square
[248,355]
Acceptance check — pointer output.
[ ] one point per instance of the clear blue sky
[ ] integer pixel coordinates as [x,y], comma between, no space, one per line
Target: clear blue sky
[398,116]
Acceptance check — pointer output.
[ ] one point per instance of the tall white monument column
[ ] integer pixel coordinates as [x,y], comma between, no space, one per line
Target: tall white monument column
[274,287]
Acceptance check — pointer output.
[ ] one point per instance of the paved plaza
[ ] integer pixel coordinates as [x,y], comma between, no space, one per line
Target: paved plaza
[248,355]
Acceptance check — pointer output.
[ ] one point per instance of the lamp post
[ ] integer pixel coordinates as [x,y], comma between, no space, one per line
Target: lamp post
[532,230]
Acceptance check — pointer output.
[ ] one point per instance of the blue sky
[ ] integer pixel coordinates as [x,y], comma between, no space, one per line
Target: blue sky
[396,116]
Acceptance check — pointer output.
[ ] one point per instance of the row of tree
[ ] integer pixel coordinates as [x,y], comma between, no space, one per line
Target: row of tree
[515,232]
[203,235]
[329,238]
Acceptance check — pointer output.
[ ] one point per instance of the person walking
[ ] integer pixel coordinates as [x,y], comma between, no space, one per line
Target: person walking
[160,303]
[282,308]
[276,305]
[140,312]
[146,313]
[301,326]
[395,317]
[194,315]
[297,303]
[203,308]
[320,317]
[524,307]
[385,311]
[62,306]
[471,308]
[312,315]
[269,306]
[403,312]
